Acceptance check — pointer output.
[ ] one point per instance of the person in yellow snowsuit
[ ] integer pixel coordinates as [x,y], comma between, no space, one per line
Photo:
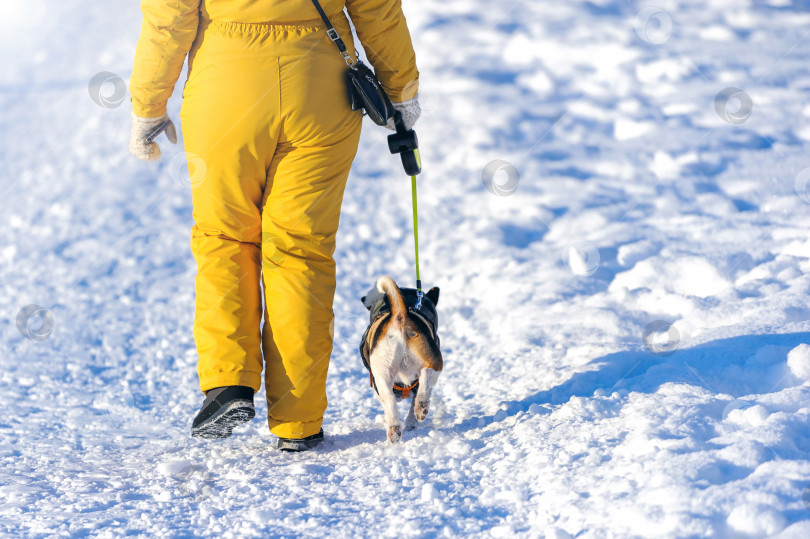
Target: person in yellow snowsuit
[269,139]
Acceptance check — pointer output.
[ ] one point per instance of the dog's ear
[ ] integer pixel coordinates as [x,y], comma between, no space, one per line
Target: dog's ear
[433,295]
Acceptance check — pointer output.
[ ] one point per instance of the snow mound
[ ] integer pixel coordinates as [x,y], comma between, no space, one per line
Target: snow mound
[687,276]
[798,361]
[756,520]
[174,467]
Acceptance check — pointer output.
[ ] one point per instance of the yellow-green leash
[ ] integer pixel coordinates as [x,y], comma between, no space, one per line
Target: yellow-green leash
[415,234]
[405,143]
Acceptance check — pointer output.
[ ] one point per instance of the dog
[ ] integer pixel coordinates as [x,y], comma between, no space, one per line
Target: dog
[400,349]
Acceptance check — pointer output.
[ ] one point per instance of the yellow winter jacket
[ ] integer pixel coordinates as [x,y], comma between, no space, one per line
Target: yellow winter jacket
[170,27]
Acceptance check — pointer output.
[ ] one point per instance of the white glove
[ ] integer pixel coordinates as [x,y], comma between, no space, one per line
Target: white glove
[141,129]
[410,111]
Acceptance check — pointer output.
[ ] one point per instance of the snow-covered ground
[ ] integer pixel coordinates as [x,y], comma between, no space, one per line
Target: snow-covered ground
[624,331]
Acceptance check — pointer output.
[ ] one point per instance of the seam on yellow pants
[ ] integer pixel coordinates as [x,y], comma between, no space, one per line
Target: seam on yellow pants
[272,26]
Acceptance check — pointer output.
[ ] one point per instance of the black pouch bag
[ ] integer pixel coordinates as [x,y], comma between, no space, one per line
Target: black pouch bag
[365,91]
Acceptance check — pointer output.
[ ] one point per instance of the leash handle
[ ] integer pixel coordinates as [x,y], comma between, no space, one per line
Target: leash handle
[416,235]
[157,131]
[406,144]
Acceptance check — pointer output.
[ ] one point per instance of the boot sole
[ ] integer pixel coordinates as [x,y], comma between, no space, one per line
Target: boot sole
[222,423]
[297,446]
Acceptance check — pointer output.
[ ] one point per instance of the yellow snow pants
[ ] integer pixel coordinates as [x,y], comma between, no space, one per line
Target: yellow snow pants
[270,139]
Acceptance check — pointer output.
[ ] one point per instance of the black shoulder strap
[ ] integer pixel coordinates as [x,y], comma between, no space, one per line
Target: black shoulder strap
[332,33]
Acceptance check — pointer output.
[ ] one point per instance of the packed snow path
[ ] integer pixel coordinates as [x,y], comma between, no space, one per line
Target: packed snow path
[637,194]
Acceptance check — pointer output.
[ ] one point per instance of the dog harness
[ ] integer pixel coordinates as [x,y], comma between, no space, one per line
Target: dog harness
[418,305]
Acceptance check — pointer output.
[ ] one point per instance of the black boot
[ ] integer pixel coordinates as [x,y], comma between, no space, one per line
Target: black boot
[224,408]
[297,445]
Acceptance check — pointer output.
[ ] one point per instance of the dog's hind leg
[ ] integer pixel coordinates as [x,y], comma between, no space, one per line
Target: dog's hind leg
[420,405]
[384,380]
[410,421]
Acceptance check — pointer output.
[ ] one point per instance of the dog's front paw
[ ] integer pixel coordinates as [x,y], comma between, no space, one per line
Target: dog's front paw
[394,433]
[421,410]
